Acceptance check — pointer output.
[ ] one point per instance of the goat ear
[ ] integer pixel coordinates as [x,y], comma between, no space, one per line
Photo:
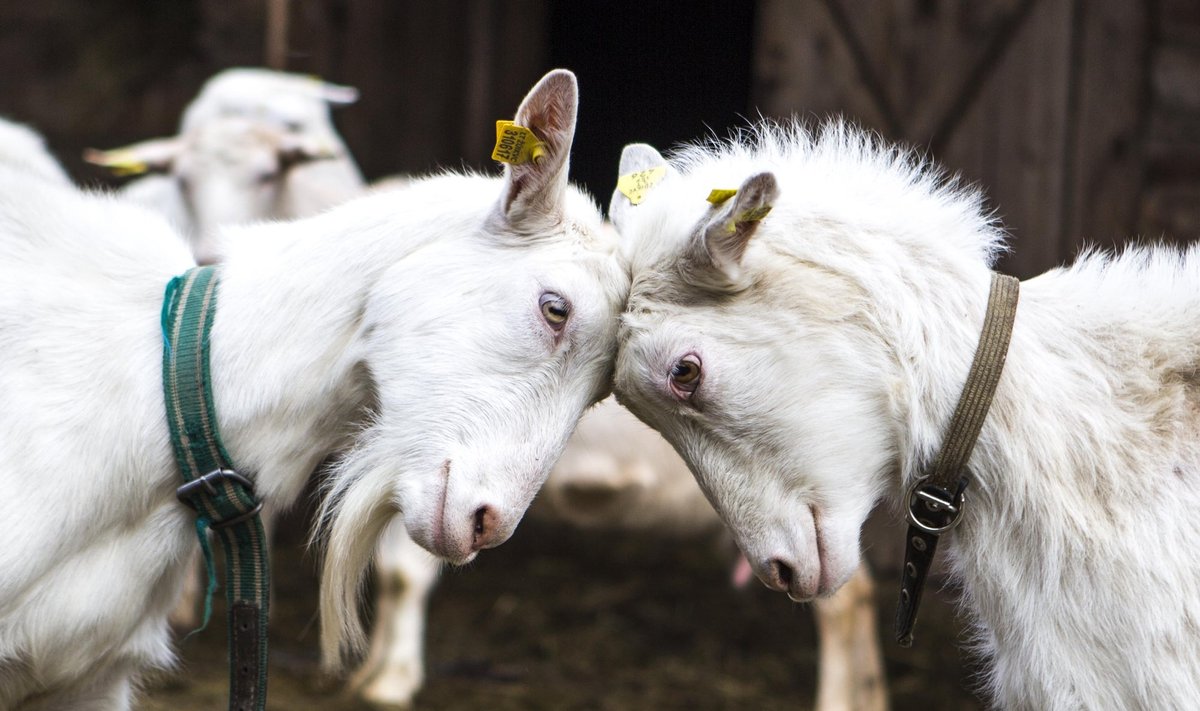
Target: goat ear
[535,178]
[297,148]
[714,258]
[336,94]
[153,156]
[641,169]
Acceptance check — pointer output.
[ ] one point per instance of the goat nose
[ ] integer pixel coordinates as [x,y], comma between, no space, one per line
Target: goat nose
[487,524]
[780,575]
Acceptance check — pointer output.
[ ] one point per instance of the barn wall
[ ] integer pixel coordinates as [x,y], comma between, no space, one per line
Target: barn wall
[434,76]
[1079,118]
[1170,199]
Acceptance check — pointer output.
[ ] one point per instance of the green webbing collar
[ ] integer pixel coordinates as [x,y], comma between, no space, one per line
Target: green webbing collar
[936,502]
[224,501]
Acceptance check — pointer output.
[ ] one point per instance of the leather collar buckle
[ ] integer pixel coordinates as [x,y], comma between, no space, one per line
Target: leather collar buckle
[934,509]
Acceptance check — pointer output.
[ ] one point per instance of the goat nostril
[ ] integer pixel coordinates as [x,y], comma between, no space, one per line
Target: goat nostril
[783,573]
[485,527]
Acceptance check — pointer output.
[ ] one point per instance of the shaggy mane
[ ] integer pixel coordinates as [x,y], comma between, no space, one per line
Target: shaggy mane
[833,173]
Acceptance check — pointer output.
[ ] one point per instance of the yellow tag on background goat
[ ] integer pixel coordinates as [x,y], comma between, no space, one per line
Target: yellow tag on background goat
[719,196]
[516,144]
[635,185]
[120,162]
[754,214]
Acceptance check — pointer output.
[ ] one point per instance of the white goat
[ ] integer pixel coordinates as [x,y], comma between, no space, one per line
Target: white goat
[616,473]
[24,150]
[255,144]
[446,338]
[807,363]
[295,101]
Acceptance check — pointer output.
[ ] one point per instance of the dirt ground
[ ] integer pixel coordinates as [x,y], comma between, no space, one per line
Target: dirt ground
[563,619]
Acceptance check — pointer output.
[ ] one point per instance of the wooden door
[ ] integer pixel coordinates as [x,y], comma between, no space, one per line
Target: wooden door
[1042,102]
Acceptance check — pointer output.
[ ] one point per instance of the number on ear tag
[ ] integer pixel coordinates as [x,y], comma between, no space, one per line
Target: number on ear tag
[516,144]
[635,185]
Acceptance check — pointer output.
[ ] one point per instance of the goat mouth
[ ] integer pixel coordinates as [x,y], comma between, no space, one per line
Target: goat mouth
[824,580]
[439,517]
[796,590]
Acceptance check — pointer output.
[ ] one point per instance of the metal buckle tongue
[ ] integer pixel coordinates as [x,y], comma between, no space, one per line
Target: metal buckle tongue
[933,509]
[208,483]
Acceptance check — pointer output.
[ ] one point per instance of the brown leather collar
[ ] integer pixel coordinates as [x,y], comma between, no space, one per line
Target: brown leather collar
[936,501]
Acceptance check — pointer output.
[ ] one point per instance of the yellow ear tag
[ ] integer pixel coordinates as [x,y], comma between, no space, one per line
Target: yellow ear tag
[121,163]
[718,196]
[516,144]
[127,169]
[754,214]
[635,185]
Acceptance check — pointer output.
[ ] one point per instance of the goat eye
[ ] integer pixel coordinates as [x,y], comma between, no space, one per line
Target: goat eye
[685,375]
[554,309]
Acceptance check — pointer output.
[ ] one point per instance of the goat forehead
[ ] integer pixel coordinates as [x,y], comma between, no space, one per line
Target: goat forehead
[596,277]
[663,310]
[230,136]
[550,265]
[261,94]
[285,107]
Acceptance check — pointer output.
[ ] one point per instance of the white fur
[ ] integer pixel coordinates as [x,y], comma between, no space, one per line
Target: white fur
[405,575]
[403,329]
[616,473]
[24,150]
[833,352]
[297,101]
[255,144]
[225,168]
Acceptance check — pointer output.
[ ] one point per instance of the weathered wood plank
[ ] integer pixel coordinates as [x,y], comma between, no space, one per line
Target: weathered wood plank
[803,66]
[1013,138]
[432,83]
[1106,161]
[1176,73]
[1178,21]
[1170,212]
[931,56]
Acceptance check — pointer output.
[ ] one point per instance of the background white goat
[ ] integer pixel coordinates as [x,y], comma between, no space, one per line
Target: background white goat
[255,144]
[446,337]
[806,361]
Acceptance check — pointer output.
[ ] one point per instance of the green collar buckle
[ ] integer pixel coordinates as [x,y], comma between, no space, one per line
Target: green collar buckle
[223,500]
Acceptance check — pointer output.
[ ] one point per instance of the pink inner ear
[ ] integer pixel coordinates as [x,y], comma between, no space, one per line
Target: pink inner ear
[518,184]
[548,112]
[546,121]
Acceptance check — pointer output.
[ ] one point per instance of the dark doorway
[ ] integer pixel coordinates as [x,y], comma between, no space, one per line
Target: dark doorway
[652,72]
